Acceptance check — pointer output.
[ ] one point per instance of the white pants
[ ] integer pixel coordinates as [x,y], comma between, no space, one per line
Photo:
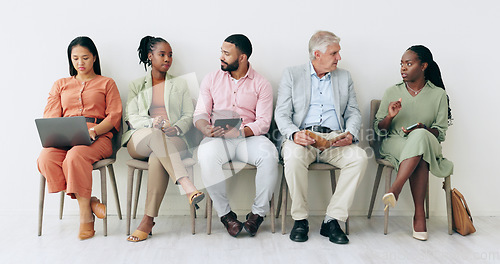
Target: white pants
[352,161]
[255,150]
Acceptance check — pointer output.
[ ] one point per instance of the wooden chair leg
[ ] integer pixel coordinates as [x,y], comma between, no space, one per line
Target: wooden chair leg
[192,211]
[130,186]
[41,201]
[427,201]
[375,189]
[104,199]
[447,190]
[273,220]
[284,191]
[209,214]
[283,181]
[137,191]
[61,204]
[112,179]
[388,173]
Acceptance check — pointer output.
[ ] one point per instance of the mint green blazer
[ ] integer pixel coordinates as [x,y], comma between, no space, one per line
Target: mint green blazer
[178,104]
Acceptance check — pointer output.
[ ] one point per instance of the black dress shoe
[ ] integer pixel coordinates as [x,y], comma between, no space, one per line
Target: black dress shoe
[232,224]
[333,231]
[253,222]
[299,231]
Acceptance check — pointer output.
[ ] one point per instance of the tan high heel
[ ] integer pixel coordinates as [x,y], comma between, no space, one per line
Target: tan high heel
[140,235]
[389,200]
[98,208]
[195,198]
[87,230]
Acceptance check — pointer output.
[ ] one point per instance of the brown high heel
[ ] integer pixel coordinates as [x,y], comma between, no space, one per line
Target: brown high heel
[98,208]
[87,230]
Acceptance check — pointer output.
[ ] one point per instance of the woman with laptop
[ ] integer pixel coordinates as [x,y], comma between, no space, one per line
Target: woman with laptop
[159,112]
[86,93]
[413,118]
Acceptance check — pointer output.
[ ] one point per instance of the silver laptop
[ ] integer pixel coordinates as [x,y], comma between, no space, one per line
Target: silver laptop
[63,131]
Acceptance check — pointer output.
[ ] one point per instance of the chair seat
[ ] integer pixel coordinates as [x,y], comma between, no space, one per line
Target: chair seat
[138,164]
[322,166]
[384,162]
[103,163]
[238,165]
[143,165]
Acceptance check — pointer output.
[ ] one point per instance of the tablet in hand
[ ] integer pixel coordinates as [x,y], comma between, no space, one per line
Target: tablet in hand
[231,122]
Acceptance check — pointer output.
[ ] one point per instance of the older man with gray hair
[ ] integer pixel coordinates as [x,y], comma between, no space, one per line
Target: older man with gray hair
[318,116]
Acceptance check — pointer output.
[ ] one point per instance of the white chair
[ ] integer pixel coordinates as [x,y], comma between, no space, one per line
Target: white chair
[101,166]
[283,195]
[386,168]
[237,166]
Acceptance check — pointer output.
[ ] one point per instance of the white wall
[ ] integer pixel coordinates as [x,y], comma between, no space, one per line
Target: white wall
[461,34]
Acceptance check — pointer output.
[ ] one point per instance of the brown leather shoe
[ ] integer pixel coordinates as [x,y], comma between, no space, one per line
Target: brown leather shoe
[98,208]
[253,222]
[232,224]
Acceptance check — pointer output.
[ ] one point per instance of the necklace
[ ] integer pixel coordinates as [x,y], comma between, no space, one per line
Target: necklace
[415,92]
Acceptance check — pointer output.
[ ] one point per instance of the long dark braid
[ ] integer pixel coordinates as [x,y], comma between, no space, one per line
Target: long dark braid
[432,73]
[145,47]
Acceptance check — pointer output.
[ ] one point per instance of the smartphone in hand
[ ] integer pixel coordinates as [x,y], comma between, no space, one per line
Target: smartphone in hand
[412,126]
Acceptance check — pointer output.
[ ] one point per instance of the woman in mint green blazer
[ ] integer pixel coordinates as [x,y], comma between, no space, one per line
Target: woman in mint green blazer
[159,112]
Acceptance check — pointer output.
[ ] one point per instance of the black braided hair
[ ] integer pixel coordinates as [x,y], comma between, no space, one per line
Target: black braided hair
[87,43]
[145,47]
[432,73]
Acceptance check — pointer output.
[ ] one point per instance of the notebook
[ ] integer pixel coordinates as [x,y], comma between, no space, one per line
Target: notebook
[63,131]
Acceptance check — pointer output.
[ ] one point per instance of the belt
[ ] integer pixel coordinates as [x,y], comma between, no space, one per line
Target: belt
[93,120]
[320,129]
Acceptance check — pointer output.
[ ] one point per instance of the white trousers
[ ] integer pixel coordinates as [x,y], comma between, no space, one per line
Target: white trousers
[351,160]
[255,150]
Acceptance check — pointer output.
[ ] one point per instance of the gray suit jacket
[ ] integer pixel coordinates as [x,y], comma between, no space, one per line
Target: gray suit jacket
[294,98]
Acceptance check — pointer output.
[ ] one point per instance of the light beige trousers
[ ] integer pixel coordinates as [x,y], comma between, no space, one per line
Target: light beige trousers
[352,161]
[165,159]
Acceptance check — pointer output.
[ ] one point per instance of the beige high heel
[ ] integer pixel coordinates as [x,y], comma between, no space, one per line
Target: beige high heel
[419,235]
[389,200]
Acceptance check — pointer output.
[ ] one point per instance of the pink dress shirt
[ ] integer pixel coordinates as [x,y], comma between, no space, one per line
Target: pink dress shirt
[250,98]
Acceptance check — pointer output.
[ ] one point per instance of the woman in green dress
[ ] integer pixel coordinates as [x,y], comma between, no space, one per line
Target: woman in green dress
[413,119]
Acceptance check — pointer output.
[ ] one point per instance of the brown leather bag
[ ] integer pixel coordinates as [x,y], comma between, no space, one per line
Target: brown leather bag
[462,219]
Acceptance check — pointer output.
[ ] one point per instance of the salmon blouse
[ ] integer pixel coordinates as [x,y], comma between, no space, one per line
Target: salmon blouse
[97,98]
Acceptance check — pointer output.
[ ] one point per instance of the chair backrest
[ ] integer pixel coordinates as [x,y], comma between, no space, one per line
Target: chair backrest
[116,141]
[194,136]
[373,139]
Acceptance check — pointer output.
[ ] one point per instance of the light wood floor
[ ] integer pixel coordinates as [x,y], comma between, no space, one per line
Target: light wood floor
[172,242]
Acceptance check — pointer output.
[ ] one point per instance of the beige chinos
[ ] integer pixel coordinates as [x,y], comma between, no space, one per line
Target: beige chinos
[352,161]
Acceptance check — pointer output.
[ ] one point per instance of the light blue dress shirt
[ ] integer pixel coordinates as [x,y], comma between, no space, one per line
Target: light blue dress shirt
[321,110]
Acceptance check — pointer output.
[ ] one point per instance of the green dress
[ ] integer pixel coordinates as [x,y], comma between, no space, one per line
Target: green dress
[429,107]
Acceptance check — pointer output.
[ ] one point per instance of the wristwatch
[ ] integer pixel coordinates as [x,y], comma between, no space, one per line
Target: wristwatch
[178,132]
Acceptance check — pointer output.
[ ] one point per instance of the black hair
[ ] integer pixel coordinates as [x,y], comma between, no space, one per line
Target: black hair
[432,73]
[145,47]
[241,42]
[87,43]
